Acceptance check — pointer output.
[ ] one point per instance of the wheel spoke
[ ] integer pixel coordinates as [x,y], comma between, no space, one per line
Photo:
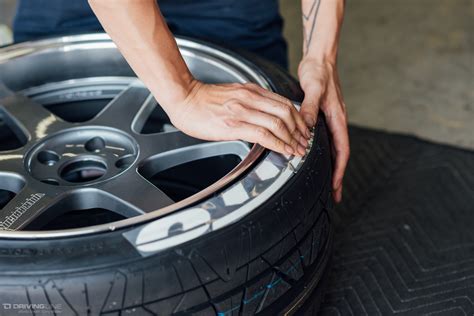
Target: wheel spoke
[126,108]
[27,205]
[168,153]
[138,192]
[12,161]
[27,115]
[152,144]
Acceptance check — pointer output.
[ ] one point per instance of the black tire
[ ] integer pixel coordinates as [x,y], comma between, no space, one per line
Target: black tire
[269,263]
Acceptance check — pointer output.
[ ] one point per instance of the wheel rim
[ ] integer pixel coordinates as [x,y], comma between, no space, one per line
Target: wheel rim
[97,160]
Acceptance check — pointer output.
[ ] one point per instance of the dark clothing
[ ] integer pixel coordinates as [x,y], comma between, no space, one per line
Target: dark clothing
[254,25]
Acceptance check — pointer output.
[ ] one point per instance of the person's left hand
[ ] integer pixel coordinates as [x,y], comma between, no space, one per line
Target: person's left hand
[320,83]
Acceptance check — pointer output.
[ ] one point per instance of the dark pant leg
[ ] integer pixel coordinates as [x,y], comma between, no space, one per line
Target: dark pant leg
[254,25]
[45,18]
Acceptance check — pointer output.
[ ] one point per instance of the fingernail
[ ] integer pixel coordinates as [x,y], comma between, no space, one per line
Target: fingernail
[307,133]
[289,150]
[303,142]
[309,120]
[301,150]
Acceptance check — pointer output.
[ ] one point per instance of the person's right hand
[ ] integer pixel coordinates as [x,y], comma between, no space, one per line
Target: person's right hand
[219,112]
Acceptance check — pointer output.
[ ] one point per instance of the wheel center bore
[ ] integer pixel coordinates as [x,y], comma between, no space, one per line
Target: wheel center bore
[83,170]
[81,156]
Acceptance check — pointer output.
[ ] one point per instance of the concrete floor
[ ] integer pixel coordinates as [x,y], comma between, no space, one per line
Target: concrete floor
[7,10]
[406,65]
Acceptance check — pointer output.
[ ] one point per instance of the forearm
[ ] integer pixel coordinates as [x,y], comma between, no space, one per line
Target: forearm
[141,34]
[322,21]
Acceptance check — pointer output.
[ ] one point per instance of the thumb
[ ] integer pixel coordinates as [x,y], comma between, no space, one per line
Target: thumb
[310,107]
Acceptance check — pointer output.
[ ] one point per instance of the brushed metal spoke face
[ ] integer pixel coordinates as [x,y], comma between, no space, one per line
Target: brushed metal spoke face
[11,162]
[137,191]
[124,108]
[30,119]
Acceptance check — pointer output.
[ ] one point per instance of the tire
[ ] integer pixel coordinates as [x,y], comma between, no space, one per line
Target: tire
[267,263]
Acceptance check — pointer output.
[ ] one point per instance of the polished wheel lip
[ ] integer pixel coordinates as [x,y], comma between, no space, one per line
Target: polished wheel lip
[288,166]
[187,46]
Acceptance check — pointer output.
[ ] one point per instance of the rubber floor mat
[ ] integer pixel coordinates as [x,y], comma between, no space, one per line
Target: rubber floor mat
[405,231]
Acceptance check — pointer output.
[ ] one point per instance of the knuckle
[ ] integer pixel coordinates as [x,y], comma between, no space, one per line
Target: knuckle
[228,105]
[262,132]
[278,143]
[231,123]
[288,103]
[235,106]
[293,142]
[278,124]
[231,101]
[251,85]
[306,112]
[318,85]
[286,111]
[244,93]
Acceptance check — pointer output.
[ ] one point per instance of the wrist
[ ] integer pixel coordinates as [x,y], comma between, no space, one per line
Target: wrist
[321,65]
[174,91]
[322,57]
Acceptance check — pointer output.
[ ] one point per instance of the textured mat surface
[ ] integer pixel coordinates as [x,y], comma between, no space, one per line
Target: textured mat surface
[405,235]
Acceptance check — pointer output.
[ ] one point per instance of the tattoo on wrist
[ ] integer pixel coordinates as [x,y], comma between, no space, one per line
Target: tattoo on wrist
[309,24]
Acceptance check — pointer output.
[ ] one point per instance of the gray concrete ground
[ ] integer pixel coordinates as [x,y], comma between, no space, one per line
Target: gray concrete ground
[7,9]
[406,65]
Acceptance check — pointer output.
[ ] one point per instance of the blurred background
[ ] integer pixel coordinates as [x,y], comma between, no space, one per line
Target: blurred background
[406,66]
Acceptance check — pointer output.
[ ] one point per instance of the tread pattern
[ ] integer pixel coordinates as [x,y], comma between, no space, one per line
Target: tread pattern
[405,240]
[260,262]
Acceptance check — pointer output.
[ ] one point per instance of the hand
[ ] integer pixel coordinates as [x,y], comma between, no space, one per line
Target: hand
[320,83]
[241,111]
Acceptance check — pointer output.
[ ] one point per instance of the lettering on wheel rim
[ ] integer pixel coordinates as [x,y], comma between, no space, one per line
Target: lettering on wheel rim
[20,210]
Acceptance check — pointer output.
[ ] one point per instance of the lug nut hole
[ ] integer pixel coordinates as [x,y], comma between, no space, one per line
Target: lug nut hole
[49,158]
[125,162]
[50,181]
[95,144]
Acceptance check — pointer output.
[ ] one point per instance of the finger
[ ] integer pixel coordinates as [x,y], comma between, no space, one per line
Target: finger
[278,109]
[298,119]
[260,135]
[337,125]
[310,106]
[337,195]
[270,122]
